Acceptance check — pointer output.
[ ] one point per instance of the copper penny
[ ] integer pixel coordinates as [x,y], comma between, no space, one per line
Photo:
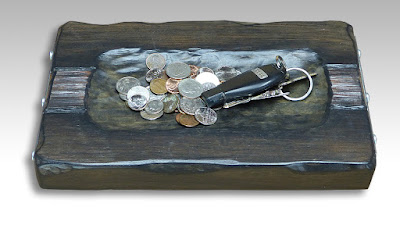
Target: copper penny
[188,120]
[178,117]
[172,85]
[157,86]
[193,71]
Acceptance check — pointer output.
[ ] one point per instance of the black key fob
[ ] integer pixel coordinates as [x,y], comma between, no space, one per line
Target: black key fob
[247,84]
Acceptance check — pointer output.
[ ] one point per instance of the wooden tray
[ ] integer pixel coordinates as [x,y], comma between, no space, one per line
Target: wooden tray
[89,140]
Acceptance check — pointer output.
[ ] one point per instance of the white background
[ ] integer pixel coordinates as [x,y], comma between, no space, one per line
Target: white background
[28,30]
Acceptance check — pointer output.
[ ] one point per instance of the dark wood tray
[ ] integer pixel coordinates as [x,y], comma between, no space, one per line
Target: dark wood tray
[89,140]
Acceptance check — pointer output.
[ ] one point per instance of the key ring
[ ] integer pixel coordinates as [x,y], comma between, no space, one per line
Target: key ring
[309,88]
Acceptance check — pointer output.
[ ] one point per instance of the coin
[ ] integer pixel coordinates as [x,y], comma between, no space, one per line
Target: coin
[124,84]
[188,120]
[155,61]
[137,102]
[190,88]
[123,96]
[178,70]
[190,105]
[154,107]
[157,86]
[172,85]
[178,117]
[225,73]
[206,116]
[148,116]
[193,71]
[170,103]
[208,86]
[207,77]
[155,96]
[205,69]
[154,73]
[137,97]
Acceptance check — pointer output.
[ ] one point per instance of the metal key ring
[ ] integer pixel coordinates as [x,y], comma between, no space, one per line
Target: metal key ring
[309,88]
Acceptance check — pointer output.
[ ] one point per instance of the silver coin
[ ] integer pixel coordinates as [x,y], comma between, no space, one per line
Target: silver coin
[226,73]
[138,97]
[190,88]
[190,105]
[205,69]
[206,116]
[153,74]
[126,83]
[178,70]
[207,77]
[208,86]
[154,107]
[171,102]
[155,96]
[123,96]
[148,116]
[155,61]
[137,102]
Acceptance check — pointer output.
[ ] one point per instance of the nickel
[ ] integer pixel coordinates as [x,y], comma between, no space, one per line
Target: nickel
[155,61]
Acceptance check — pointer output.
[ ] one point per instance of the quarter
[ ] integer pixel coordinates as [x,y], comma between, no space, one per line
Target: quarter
[190,105]
[124,84]
[206,116]
[190,88]
[154,107]
[178,70]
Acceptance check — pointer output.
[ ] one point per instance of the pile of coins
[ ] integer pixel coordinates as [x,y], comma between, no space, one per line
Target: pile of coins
[177,88]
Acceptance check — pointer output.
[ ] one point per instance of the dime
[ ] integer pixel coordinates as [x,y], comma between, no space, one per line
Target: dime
[190,88]
[157,86]
[208,86]
[225,73]
[154,107]
[155,61]
[172,85]
[193,71]
[124,84]
[170,103]
[188,120]
[206,116]
[154,73]
[207,77]
[190,105]
[178,70]
[205,69]
[137,97]
[148,116]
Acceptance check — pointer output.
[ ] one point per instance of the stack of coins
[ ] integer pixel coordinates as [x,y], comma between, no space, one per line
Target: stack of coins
[177,88]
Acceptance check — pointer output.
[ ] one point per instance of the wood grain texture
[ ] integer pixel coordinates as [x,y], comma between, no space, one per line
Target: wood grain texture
[75,151]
